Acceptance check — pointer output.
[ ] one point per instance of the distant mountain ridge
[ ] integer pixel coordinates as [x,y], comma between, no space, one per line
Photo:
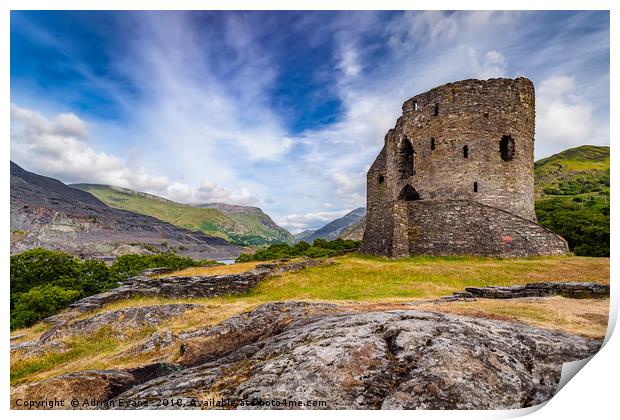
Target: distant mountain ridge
[242,225]
[47,213]
[334,229]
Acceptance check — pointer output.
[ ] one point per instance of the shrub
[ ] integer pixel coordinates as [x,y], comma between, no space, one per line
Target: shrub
[585,226]
[320,248]
[44,282]
[41,302]
[40,266]
[131,265]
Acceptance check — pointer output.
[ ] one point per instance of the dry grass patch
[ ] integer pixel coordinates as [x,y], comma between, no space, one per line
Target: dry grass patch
[585,317]
[216,270]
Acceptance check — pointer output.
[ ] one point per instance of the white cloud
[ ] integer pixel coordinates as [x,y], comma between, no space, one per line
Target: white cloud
[59,148]
[493,65]
[564,117]
[299,222]
[209,192]
[349,61]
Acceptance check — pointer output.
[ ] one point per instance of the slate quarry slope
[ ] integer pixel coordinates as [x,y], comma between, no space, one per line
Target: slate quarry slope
[47,213]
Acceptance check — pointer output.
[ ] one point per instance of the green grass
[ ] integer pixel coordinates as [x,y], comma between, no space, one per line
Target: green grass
[79,347]
[357,277]
[244,229]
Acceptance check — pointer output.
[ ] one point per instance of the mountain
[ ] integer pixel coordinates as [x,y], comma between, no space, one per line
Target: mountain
[301,236]
[47,213]
[355,232]
[335,228]
[581,170]
[261,229]
[572,197]
[238,224]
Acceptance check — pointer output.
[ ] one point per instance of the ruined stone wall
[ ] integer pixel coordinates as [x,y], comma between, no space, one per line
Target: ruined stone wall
[456,227]
[456,176]
[379,231]
[449,227]
[440,123]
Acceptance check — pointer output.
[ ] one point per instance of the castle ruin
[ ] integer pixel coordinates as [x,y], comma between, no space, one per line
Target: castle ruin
[456,176]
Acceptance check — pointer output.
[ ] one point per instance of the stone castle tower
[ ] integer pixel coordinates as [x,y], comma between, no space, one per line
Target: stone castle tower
[456,176]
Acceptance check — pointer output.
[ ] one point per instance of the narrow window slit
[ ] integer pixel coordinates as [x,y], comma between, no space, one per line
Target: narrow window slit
[432,143]
[465,151]
[475,186]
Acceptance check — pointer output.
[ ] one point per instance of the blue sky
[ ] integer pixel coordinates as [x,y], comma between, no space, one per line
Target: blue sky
[283,110]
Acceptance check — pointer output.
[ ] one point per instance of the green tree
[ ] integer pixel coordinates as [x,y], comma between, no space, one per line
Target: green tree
[40,302]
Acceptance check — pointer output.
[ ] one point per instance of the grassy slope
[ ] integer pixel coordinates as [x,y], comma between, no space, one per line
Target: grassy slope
[361,283]
[572,197]
[241,229]
[580,171]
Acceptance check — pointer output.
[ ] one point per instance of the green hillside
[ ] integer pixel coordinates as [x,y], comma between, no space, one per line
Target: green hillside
[244,228]
[572,197]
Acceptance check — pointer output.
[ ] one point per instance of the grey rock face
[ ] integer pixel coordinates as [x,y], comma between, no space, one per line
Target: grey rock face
[389,360]
[190,286]
[119,321]
[95,385]
[573,290]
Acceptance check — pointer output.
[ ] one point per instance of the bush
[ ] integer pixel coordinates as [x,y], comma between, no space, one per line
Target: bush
[131,265]
[43,282]
[41,302]
[320,248]
[40,266]
[584,225]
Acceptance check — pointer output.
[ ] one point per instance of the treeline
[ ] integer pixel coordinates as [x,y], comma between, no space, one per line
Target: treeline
[582,220]
[43,282]
[319,248]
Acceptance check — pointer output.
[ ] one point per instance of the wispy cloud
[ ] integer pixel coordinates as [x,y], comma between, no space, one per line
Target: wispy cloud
[209,101]
[59,148]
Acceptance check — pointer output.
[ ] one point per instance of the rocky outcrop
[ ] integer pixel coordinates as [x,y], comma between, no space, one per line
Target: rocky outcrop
[119,321]
[574,290]
[89,389]
[390,360]
[265,321]
[86,386]
[191,286]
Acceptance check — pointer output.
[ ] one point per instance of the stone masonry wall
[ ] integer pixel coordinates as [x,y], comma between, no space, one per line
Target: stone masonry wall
[458,227]
[450,227]
[475,114]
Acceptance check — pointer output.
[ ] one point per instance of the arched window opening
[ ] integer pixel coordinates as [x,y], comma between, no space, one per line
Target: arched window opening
[408,193]
[415,105]
[436,111]
[475,187]
[433,143]
[381,178]
[406,159]
[465,151]
[507,148]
